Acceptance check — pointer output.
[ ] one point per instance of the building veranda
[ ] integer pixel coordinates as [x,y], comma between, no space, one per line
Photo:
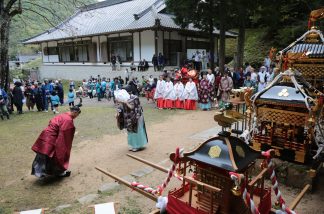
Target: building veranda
[86,42]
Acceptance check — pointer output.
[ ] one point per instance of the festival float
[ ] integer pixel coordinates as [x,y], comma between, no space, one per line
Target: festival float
[287,118]
[306,54]
[216,177]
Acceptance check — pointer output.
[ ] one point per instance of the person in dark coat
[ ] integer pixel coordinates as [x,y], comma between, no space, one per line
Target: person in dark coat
[155,62]
[39,97]
[18,97]
[59,90]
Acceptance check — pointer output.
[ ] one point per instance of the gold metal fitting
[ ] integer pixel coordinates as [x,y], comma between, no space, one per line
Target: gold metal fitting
[236,190]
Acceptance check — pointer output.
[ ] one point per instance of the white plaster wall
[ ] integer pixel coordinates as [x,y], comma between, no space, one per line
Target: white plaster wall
[148,45]
[136,47]
[79,72]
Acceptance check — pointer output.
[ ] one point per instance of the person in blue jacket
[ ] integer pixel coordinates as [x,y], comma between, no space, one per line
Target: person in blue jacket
[55,100]
[3,104]
[47,90]
[98,90]
[71,97]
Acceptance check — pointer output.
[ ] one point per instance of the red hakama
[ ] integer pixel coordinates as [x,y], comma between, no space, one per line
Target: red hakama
[190,105]
[160,102]
[168,103]
[179,104]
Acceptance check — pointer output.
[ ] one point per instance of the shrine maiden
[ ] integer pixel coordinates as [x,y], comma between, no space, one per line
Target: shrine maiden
[190,95]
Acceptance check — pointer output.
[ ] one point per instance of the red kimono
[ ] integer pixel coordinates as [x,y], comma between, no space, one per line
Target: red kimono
[55,141]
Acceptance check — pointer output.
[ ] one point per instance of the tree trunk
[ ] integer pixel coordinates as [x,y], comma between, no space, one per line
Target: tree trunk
[241,39]
[4,42]
[211,51]
[222,36]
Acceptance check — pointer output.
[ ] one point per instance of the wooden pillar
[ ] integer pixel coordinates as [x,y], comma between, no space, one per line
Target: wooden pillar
[133,46]
[156,42]
[216,51]
[163,43]
[48,58]
[140,45]
[108,50]
[169,58]
[99,50]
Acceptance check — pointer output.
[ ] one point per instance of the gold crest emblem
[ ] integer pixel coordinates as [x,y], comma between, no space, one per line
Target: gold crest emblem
[214,152]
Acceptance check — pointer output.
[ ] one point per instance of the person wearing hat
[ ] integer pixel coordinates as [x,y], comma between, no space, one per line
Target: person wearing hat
[179,98]
[130,117]
[54,144]
[206,93]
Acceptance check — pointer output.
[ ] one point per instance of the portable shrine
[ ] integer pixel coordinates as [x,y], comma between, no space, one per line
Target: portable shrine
[306,54]
[216,177]
[286,117]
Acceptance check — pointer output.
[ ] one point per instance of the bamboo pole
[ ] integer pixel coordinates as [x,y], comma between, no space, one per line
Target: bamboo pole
[294,204]
[149,163]
[146,194]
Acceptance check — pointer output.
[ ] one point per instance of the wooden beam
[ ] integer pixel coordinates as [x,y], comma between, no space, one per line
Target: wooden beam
[258,177]
[294,204]
[146,194]
[204,185]
[148,163]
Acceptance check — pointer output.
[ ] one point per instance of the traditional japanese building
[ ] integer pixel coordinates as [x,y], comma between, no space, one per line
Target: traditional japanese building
[132,29]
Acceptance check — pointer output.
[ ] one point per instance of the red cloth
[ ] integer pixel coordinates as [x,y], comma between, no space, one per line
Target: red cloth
[168,103]
[160,102]
[176,206]
[55,141]
[190,105]
[179,104]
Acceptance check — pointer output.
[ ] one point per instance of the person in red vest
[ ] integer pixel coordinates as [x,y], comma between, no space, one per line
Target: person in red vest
[53,146]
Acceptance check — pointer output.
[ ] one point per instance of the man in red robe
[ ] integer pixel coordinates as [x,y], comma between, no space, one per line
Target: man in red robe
[53,146]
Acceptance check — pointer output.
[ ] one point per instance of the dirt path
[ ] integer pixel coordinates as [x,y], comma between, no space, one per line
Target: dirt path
[109,152]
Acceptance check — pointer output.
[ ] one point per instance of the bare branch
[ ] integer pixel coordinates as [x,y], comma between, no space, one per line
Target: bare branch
[15,12]
[9,5]
[41,15]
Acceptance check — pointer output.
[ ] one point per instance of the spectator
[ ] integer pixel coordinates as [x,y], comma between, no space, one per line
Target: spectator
[155,62]
[30,97]
[55,100]
[113,62]
[3,104]
[161,62]
[132,66]
[39,97]
[18,97]
[146,65]
[140,66]
[71,97]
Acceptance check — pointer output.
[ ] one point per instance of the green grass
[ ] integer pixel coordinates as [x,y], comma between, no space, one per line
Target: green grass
[18,134]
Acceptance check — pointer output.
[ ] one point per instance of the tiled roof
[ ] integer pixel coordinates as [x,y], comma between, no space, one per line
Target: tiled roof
[111,17]
[302,45]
